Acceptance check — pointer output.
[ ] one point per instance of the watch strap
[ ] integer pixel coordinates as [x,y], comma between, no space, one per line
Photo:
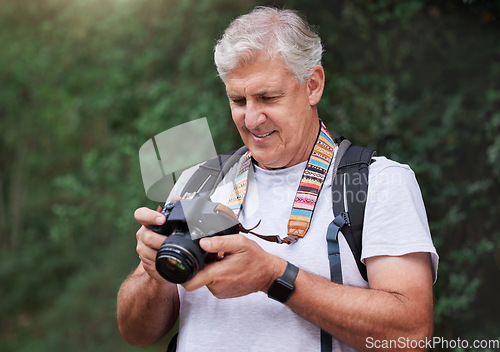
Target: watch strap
[283,287]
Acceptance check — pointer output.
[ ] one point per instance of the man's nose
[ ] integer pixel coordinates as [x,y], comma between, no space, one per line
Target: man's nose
[254,115]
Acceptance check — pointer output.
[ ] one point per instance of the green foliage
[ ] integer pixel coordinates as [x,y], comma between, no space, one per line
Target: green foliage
[85,83]
[425,92]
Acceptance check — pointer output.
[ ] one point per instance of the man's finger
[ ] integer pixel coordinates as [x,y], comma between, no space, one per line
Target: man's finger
[148,217]
[149,238]
[230,243]
[202,278]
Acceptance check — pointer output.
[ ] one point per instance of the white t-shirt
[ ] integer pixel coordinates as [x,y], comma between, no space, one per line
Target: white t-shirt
[395,224]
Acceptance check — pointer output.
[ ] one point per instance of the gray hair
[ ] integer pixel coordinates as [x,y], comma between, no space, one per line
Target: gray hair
[272,30]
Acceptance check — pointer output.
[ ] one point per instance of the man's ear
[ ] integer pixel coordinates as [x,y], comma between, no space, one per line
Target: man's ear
[315,85]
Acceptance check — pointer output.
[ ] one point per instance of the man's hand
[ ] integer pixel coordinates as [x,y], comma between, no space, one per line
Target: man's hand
[147,305]
[148,242]
[246,267]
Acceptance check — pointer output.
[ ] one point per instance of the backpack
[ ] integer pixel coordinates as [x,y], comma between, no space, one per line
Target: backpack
[349,188]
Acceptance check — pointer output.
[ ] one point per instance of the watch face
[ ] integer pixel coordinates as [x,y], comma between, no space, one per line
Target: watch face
[281,290]
[283,287]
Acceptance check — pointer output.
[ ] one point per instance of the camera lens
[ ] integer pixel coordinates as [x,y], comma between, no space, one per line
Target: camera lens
[179,258]
[176,270]
[173,264]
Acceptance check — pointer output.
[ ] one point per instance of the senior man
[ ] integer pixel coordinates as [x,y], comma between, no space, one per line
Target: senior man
[270,63]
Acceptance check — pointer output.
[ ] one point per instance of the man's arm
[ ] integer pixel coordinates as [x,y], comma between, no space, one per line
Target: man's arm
[147,305]
[146,309]
[397,305]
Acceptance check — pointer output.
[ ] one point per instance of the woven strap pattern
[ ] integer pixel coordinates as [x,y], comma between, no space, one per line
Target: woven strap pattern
[308,191]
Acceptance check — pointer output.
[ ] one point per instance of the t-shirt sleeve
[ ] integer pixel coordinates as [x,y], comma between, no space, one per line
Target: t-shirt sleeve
[395,218]
[221,191]
[181,183]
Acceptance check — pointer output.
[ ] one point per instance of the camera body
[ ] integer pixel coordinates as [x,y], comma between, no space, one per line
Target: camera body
[187,221]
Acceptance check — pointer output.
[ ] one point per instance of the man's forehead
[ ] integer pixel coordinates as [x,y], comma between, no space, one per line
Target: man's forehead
[254,89]
[261,76]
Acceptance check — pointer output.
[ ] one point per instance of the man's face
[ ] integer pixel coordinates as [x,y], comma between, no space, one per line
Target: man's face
[274,114]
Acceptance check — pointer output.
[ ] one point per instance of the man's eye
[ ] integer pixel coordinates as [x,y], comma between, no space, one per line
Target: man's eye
[241,101]
[269,98]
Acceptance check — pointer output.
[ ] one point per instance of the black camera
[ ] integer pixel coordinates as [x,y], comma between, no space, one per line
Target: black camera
[180,256]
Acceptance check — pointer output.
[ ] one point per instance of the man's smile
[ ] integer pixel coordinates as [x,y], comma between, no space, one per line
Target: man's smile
[262,135]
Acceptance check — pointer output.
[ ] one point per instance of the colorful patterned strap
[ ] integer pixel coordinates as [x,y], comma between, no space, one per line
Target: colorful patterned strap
[240,185]
[307,194]
[310,185]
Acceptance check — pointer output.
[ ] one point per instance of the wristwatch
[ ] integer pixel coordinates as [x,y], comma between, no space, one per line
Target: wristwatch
[283,287]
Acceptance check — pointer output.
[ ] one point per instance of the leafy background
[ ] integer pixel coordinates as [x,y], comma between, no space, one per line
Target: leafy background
[84,83]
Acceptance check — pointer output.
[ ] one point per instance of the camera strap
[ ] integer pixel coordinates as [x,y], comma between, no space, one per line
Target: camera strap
[307,193]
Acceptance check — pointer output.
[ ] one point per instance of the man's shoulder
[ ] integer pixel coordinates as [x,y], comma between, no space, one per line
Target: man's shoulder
[383,165]
[187,174]
[182,181]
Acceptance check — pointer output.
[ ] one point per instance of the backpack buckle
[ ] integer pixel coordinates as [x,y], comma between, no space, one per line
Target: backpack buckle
[342,219]
[347,219]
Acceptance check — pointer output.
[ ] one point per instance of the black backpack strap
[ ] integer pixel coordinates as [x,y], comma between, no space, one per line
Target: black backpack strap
[349,193]
[211,172]
[172,346]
